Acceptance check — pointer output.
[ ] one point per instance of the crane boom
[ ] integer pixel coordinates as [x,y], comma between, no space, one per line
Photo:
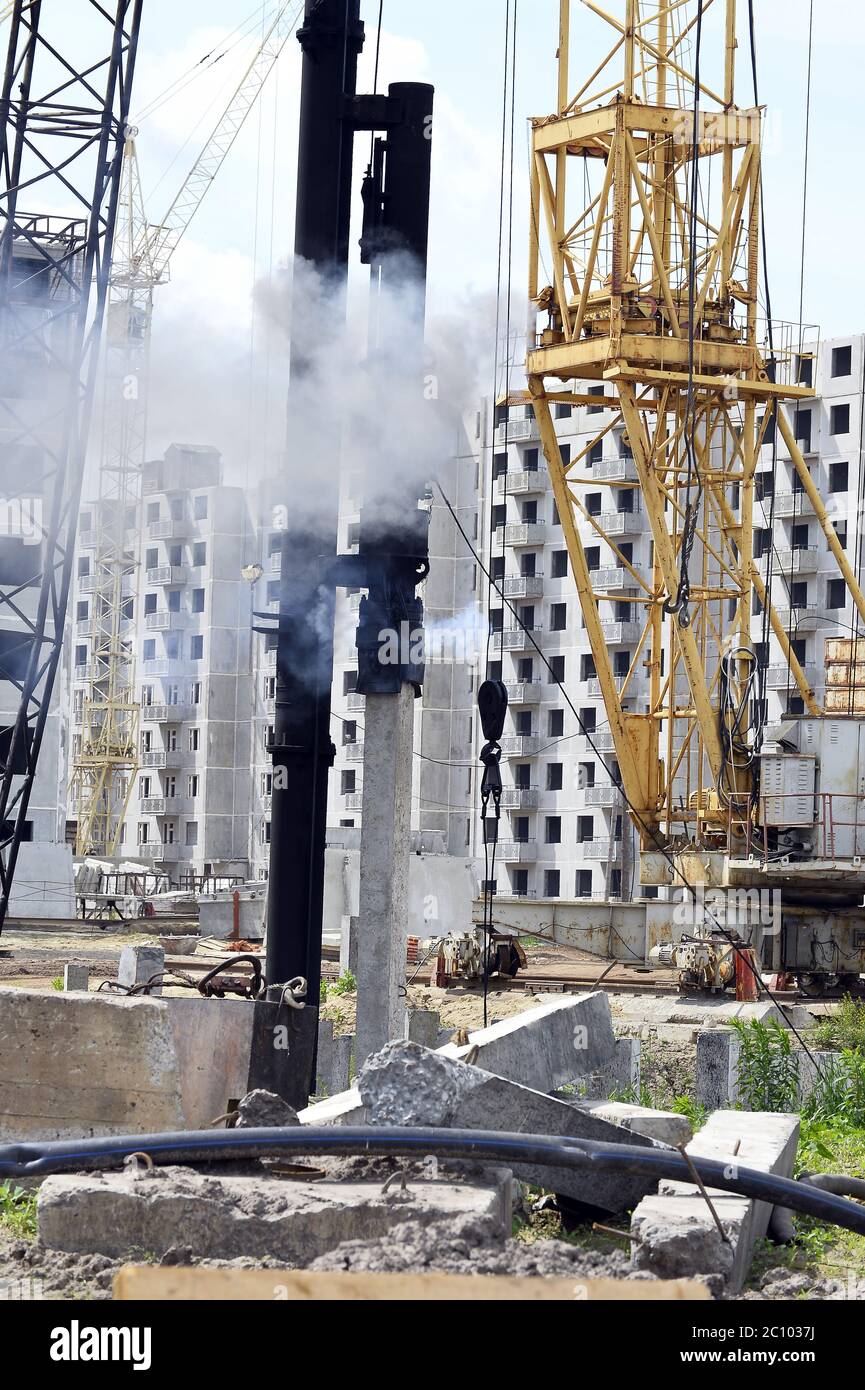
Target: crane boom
[162,240]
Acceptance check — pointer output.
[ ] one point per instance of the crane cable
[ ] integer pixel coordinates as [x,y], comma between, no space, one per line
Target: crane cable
[679,605]
[509,75]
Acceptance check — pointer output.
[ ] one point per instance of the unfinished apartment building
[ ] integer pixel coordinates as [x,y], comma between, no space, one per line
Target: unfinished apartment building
[566,833]
[188,811]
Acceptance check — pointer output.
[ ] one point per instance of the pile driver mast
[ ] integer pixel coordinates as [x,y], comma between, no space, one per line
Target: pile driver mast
[646,191]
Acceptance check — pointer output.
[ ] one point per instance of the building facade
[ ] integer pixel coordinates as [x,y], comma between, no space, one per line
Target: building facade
[565,830]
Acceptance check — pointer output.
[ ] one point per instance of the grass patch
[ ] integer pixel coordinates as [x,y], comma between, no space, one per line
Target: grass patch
[843,1031]
[17,1211]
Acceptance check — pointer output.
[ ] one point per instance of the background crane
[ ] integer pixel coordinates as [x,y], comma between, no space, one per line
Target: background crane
[107,764]
[62,132]
[646,208]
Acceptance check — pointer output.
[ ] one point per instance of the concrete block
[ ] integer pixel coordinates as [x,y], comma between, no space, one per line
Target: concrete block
[809,1071]
[343,1052]
[79,1065]
[138,964]
[76,978]
[546,1048]
[423,1026]
[348,946]
[324,1059]
[663,1126]
[213,1041]
[406,1084]
[675,1228]
[257,1218]
[717,1083]
[623,1073]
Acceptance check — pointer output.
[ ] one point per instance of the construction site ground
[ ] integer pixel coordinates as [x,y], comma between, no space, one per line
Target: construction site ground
[826,1264]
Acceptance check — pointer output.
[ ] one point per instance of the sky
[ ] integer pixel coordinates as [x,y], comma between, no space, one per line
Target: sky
[242,234]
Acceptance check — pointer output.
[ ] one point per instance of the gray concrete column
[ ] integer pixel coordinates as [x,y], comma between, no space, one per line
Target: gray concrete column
[384,869]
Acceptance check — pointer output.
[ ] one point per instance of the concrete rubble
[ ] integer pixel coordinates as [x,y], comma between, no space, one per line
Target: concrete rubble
[546,1048]
[406,1084]
[675,1231]
[255,1217]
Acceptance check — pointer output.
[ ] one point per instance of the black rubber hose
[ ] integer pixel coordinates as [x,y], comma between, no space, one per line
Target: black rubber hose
[839,1183]
[206,1146]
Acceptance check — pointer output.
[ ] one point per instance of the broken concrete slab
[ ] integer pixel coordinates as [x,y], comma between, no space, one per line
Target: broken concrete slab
[257,1217]
[80,1065]
[406,1084]
[663,1126]
[264,1110]
[546,1048]
[675,1229]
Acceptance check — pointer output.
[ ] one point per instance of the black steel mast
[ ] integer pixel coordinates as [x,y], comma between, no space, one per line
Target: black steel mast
[303,754]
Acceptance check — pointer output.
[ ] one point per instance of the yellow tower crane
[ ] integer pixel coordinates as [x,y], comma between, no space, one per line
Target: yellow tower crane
[108,761]
[645,271]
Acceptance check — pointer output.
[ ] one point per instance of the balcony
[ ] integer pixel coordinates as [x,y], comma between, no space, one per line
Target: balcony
[602,739]
[801,560]
[87,583]
[524,692]
[353,752]
[163,759]
[619,634]
[593,686]
[148,849]
[354,703]
[153,806]
[353,801]
[275,562]
[87,673]
[801,618]
[520,483]
[87,539]
[605,796]
[777,678]
[788,504]
[517,851]
[172,530]
[520,798]
[516,639]
[166,714]
[614,577]
[526,533]
[164,666]
[164,621]
[520,745]
[621,523]
[515,432]
[603,850]
[169,574]
[618,470]
[85,628]
[268,659]
[523,586]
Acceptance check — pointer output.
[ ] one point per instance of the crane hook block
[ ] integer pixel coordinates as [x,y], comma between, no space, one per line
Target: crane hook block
[493,706]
